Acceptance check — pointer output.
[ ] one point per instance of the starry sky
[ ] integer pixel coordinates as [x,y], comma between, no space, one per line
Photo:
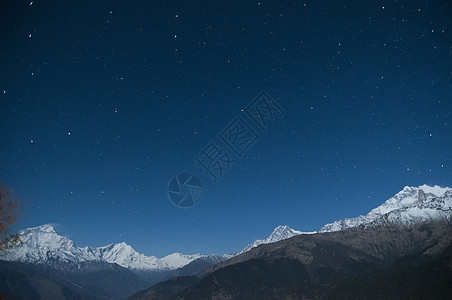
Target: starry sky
[102,103]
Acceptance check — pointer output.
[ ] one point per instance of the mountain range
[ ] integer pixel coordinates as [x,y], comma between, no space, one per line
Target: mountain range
[57,261]
[409,206]
[388,262]
[41,244]
[400,250]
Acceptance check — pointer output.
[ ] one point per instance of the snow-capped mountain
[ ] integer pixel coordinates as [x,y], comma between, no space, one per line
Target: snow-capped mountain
[280,233]
[43,244]
[124,255]
[409,206]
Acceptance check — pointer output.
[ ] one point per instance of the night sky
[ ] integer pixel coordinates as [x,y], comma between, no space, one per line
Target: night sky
[101,104]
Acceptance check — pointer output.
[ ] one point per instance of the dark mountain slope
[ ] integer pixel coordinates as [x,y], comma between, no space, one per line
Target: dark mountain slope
[343,264]
[413,277]
[22,281]
[88,280]
[197,266]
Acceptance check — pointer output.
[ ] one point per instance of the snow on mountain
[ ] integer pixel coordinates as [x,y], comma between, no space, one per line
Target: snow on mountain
[125,256]
[177,260]
[43,244]
[279,233]
[409,206]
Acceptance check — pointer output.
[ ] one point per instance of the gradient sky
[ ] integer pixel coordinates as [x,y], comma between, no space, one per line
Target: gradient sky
[101,104]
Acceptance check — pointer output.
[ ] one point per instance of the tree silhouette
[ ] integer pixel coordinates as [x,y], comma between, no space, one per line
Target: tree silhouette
[10,207]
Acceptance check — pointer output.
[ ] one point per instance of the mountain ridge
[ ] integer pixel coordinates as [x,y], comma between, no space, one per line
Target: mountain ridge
[323,265]
[411,204]
[409,197]
[53,257]
[42,243]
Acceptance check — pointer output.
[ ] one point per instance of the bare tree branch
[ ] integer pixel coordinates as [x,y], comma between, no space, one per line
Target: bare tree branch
[10,208]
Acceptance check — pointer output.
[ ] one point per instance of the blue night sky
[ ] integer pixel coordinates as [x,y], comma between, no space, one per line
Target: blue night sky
[103,103]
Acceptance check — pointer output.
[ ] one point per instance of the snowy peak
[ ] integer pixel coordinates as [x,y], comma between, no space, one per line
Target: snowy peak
[436,190]
[281,232]
[115,250]
[177,260]
[409,206]
[43,228]
[409,196]
[43,244]
[125,256]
